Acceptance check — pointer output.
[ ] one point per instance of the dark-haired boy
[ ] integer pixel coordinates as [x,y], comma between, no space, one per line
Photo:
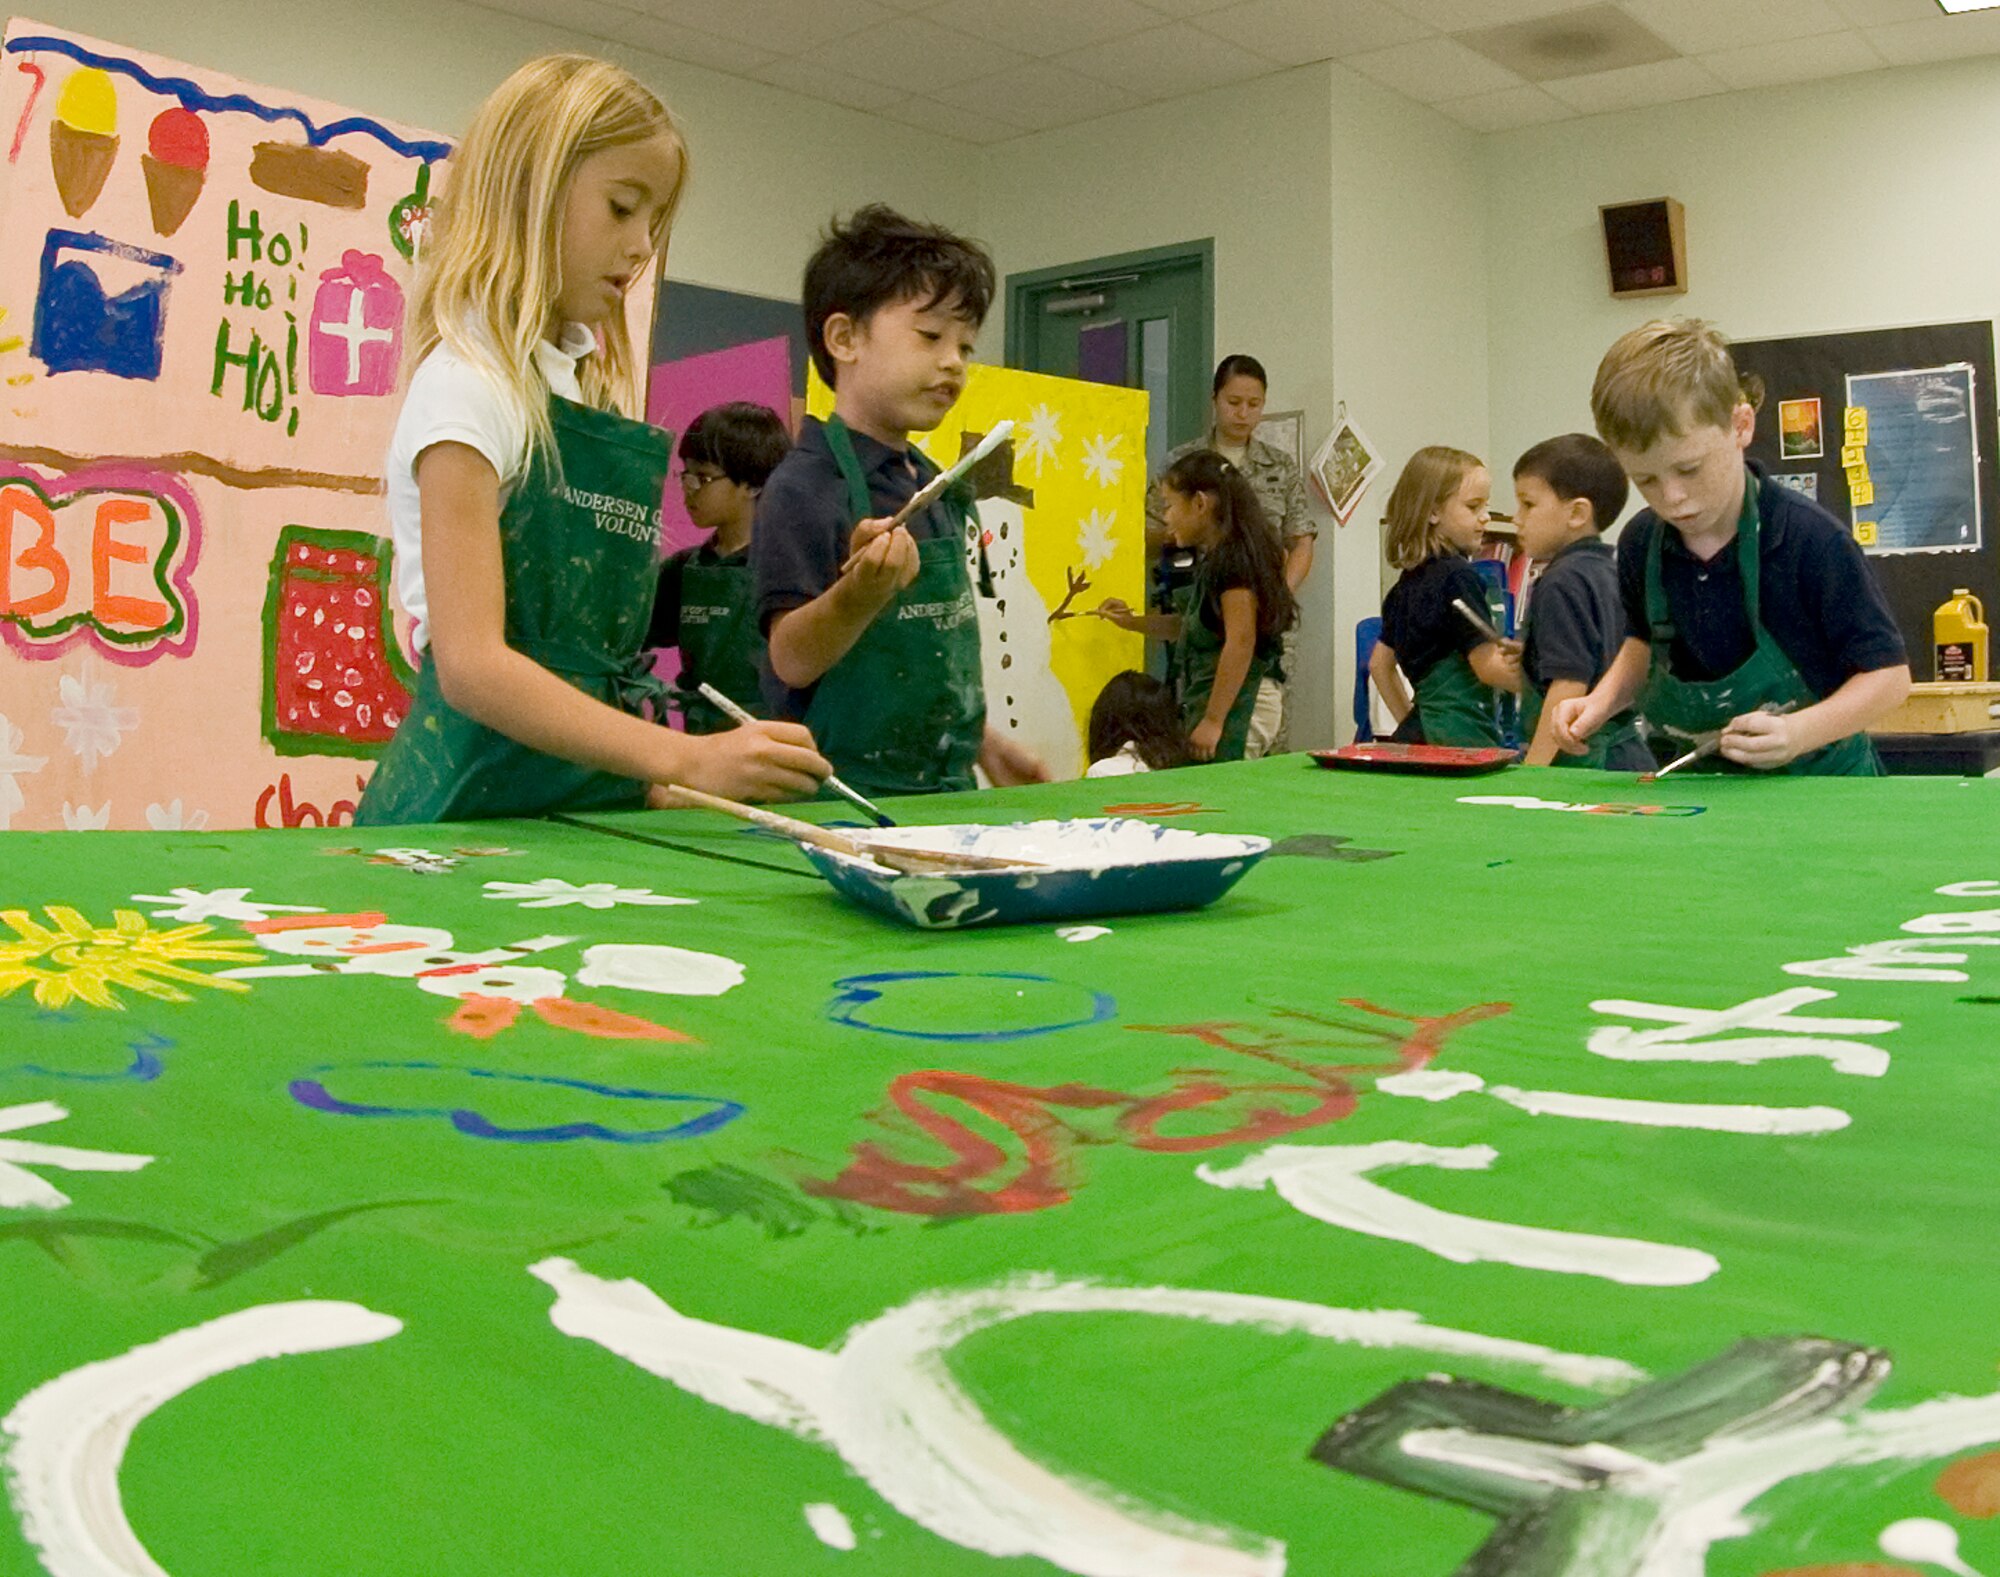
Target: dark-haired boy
[1567,492]
[873,634]
[706,604]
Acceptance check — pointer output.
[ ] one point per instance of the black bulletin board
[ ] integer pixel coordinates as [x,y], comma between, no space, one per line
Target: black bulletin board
[691,319]
[1817,367]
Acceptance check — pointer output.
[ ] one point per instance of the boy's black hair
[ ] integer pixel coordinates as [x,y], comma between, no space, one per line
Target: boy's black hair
[1138,709]
[1576,465]
[746,441]
[1238,366]
[877,258]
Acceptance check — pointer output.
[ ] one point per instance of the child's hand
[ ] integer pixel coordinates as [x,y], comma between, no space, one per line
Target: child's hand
[1009,765]
[882,558]
[1117,610]
[759,761]
[1573,722]
[1203,740]
[1763,740]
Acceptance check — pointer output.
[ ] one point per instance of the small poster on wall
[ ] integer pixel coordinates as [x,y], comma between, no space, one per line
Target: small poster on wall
[1344,466]
[1921,460]
[1799,430]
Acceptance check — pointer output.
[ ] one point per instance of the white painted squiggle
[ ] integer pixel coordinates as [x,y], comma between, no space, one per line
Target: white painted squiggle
[1899,958]
[68,1436]
[830,1525]
[20,1189]
[1330,1183]
[1676,1114]
[1970,890]
[1958,922]
[1794,1037]
[886,1401]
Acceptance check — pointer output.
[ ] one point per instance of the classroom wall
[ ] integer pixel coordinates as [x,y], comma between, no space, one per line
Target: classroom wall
[1859,202]
[769,166]
[1245,165]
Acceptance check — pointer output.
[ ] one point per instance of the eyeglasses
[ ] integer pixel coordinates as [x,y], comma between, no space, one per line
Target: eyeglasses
[694,479]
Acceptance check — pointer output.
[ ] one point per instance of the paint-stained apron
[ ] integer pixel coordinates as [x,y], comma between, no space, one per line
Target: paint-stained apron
[1196,655]
[719,642]
[904,711]
[579,544]
[1453,708]
[1766,677]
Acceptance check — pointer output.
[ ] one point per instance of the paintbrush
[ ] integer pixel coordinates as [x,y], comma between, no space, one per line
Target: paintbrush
[1002,431]
[1478,621]
[729,708]
[911,862]
[1706,744]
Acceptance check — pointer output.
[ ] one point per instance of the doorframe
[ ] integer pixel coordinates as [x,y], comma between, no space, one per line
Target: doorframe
[1023,287]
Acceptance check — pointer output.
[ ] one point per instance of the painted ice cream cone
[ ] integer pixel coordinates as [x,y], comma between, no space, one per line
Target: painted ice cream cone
[176,166]
[83,140]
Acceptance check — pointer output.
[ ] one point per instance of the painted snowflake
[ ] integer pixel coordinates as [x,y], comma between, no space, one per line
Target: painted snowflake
[93,726]
[1096,537]
[12,764]
[1100,462]
[72,959]
[552,892]
[171,818]
[1035,439]
[224,903]
[81,818]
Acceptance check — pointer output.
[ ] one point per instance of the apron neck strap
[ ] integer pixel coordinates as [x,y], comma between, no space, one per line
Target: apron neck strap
[841,442]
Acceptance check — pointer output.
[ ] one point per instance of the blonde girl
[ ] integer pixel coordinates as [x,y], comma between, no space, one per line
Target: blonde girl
[1437,517]
[523,498]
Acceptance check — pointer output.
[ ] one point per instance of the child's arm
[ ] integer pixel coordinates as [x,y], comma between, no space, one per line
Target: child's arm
[1543,749]
[1497,665]
[1007,764]
[1232,667]
[1766,740]
[1389,682]
[1577,718]
[808,640]
[1161,626]
[482,676]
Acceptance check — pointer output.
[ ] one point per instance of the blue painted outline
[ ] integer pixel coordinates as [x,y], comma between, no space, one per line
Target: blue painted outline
[144,1068]
[311,1093]
[857,991]
[193,96]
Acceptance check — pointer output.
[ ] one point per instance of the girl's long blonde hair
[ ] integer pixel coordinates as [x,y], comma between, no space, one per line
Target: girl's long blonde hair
[490,269]
[1420,494]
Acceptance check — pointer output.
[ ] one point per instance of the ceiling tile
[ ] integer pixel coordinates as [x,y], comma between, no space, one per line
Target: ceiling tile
[1572,44]
[837,87]
[1045,27]
[1458,16]
[1434,69]
[1664,83]
[1880,13]
[1698,26]
[1185,7]
[1506,111]
[695,49]
[949,119]
[1042,94]
[1796,60]
[590,18]
[1938,38]
[1166,62]
[782,26]
[909,52]
[1298,32]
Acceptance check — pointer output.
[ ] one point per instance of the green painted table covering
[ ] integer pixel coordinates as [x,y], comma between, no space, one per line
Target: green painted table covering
[1483,1186]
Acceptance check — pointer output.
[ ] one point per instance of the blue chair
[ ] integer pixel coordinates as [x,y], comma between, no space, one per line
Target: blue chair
[1366,634]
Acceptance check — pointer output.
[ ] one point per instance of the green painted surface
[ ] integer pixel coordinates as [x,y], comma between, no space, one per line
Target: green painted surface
[483,1439]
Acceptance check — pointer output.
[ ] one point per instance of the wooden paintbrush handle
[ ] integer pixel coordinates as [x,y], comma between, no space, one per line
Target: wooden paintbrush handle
[770,820]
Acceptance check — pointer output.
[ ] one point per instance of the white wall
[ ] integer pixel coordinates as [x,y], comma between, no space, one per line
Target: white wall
[769,166]
[1860,202]
[1247,166]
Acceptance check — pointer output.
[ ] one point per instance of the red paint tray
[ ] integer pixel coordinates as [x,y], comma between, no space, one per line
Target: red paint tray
[1433,760]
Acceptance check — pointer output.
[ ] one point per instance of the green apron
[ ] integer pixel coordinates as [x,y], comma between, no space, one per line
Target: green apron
[1687,707]
[582,564]
[904,711]
[1195,656]
[719,642]
[1619,735]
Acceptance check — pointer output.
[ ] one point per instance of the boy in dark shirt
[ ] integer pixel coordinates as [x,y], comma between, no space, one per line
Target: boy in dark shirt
[706,605]
[1749,609]
[1567,491]
[874,638]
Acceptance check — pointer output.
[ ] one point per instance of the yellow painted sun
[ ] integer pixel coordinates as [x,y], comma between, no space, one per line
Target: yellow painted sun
[72,958]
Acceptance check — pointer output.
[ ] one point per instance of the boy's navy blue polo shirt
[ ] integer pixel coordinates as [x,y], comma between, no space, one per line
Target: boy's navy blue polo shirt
[1576,622]
[1817,596]
[800,538]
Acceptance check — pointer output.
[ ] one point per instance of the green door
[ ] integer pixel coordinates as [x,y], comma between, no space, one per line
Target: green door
[1143,320]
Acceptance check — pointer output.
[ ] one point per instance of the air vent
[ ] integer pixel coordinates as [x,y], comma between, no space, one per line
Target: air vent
[1569,44]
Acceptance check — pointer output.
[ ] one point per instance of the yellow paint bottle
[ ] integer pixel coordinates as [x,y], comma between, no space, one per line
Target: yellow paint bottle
[1959,629]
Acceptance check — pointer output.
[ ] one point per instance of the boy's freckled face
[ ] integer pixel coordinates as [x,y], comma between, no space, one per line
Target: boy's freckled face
[1463,519]
[1694,480]
[1543,521]
[907,363]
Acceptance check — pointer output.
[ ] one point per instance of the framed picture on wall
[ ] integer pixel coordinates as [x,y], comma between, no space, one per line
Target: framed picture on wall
[1284,431]
[1344,466]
